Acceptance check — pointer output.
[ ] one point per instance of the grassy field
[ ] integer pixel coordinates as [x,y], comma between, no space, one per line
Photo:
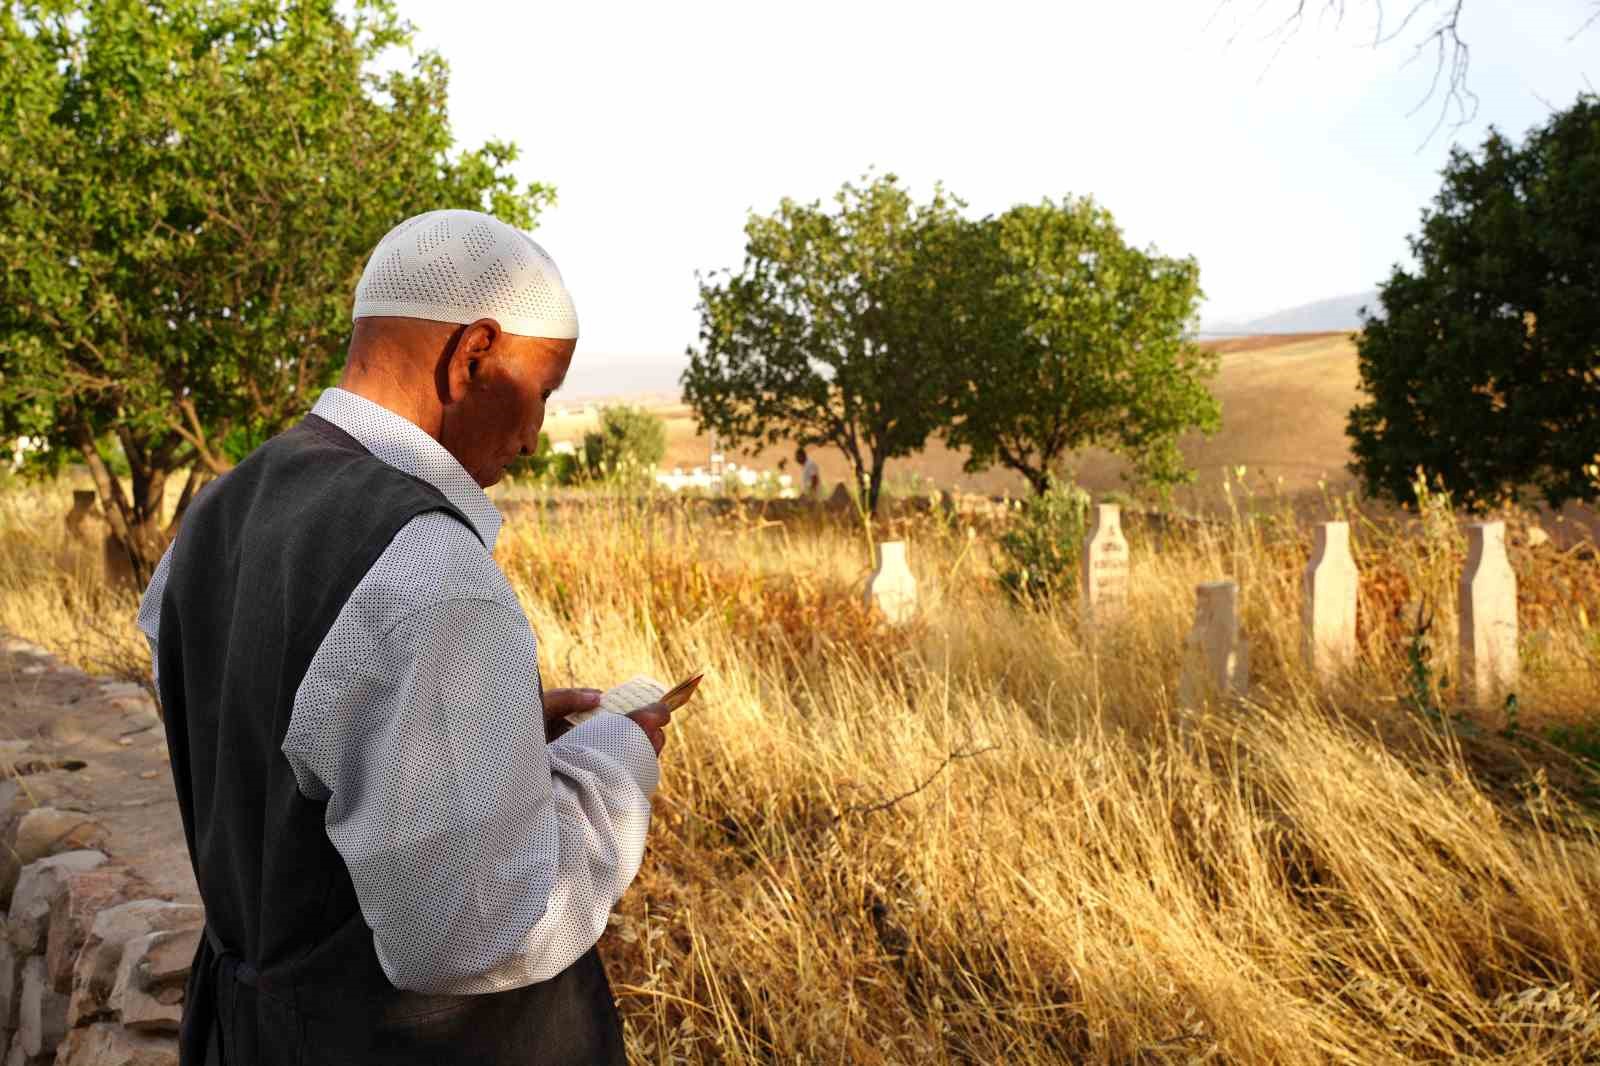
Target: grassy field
[976,840]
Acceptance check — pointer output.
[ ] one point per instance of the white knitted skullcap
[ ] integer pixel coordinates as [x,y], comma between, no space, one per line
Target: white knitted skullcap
[460,266]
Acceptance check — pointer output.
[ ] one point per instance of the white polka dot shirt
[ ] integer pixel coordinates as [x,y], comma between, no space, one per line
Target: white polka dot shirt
[484,859]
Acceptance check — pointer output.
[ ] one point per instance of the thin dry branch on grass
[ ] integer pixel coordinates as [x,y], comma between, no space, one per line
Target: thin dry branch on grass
[885,804]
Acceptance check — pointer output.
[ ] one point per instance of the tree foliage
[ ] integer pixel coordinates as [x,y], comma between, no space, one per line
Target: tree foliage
[1484,368]
[1077,340]
[833,330]
[629,445]
[190,190]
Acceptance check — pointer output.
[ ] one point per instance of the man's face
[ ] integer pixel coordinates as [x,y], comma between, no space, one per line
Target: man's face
[496,385]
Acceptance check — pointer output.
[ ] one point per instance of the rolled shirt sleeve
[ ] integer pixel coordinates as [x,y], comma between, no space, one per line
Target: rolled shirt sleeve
[150,611]
[483,858]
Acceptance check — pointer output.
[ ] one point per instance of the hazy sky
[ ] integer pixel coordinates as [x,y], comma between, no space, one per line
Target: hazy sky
[1289,179]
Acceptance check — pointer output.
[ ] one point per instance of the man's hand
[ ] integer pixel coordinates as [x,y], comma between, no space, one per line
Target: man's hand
[653,719]
[560,702]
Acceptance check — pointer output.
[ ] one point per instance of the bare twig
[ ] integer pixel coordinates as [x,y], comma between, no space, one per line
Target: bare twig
[1587,24]
[1452,55]
[883,805]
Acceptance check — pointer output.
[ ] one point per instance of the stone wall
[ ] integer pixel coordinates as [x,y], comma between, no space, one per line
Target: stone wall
[92,971]
[100,919]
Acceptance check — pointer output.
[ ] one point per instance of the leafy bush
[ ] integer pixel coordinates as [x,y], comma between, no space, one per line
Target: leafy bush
[565,469]
[538,465]
[629,445]
[1042,544]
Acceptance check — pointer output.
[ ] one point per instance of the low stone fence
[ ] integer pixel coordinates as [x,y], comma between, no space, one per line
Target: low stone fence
[100,922]
[89,976]
[91,970]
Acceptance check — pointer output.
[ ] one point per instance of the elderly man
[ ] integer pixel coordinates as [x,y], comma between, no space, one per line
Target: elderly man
[399,865]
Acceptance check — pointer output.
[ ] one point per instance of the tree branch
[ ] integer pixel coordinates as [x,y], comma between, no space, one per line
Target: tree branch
[195,434]
[110,489]
[191,486]
[1452,55]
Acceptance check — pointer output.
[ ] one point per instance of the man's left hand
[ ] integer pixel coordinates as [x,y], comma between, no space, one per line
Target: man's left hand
[560,702]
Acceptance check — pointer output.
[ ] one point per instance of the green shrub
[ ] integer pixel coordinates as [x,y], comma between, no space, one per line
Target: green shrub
[1580,739]
[547,466]
[629,445]
[537,465]
[1042,545]
[565,469]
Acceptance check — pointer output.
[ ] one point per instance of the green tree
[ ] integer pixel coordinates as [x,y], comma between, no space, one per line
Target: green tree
[1484,368]
[1074,339]
[629,444]
[189,191]
[832,330]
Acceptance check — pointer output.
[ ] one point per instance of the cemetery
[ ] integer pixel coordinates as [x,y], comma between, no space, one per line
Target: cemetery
[1222,702]
[1137,604]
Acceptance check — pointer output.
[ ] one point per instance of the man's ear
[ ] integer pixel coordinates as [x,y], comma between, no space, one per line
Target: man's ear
[469,348]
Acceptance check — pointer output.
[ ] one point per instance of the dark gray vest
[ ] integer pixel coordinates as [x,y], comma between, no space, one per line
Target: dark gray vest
[287,974]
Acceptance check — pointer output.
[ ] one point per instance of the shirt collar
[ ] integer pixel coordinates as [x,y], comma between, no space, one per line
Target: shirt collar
[406,446]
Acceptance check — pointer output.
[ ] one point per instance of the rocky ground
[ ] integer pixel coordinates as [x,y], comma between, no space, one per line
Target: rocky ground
[102,914]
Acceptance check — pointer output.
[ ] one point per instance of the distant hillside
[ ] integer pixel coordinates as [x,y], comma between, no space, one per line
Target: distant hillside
[1284,405]
[603,375]
[598,375]
[1339,314]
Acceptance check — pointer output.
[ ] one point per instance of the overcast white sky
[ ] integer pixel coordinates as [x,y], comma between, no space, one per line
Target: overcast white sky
[1290,180]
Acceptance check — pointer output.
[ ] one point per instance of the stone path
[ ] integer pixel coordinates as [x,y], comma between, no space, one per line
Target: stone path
[102,917]
[53,716]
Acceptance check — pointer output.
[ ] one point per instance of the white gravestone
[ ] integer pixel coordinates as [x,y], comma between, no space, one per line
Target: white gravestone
[891,587]
[1488,606]
[1329,613]
[1104,566]
[1215,659]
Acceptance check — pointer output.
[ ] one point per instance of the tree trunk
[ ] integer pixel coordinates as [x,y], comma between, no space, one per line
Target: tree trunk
[135,522]
[198,476]
[1038,477]
[858,466]
[875,486]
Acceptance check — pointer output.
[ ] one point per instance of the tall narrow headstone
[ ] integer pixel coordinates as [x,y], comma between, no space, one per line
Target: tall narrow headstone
[1329,608]
[1216,660]
[83,501]
[1103,570]
[1488,611]
[892,587]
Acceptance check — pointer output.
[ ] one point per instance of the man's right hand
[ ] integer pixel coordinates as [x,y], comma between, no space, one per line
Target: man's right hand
[653,719]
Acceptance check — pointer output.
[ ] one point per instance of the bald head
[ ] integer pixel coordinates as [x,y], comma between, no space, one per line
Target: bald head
[473,387]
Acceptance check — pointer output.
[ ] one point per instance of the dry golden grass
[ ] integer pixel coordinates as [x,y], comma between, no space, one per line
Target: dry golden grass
[972,840]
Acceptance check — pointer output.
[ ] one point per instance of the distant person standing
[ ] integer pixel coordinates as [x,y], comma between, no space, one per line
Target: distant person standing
[406,857]
[810,475]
